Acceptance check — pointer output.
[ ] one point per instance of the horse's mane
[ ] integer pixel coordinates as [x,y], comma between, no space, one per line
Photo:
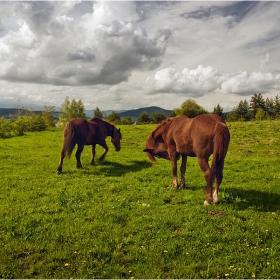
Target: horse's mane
[159,129]
[110,127]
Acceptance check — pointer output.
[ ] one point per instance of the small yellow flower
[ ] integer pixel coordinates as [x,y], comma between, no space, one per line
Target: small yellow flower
[67,264]
[165,251]
[227,275]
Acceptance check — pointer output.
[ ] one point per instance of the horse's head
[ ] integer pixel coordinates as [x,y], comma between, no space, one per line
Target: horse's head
[157,149]
[116,139]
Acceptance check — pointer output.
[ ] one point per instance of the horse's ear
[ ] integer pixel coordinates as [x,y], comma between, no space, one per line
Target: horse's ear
[119,130]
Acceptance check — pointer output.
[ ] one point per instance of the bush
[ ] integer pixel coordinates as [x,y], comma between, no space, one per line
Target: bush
[5,128]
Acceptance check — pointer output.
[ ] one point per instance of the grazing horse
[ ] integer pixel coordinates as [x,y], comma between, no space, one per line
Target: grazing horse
[83,132]
[198,137]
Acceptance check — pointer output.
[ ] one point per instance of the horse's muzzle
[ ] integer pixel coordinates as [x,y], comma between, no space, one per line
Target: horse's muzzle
[117,149]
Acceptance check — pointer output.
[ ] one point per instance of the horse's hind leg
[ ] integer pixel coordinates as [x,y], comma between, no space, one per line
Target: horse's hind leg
[183,172]
[78,155]
[92,155]
[218,181]
[203,163]
[62,156]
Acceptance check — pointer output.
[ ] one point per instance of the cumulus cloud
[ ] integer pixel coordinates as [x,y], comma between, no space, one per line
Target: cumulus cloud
[102,47]
[205,80]
[104,52]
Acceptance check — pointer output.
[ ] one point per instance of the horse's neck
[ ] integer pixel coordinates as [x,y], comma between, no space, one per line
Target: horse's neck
[109,129]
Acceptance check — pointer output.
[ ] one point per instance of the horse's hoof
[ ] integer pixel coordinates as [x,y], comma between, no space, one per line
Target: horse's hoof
[206,203]
[58,172]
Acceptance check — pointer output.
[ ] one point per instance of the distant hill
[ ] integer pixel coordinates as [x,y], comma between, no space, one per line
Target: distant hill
[133,114]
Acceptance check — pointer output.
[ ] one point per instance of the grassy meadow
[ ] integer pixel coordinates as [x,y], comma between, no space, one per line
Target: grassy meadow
[120,220]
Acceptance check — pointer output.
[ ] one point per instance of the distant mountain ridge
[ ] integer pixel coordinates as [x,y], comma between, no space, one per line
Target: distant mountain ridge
[133,114]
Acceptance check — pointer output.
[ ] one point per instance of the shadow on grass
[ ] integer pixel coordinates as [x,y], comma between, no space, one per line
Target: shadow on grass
[243,199]
[118,169]
[112,168]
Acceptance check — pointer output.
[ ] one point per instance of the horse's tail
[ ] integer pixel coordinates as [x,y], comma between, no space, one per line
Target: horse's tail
[70,138]
[221,143]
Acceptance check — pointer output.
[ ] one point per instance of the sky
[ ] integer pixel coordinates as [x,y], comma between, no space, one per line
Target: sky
[133,54]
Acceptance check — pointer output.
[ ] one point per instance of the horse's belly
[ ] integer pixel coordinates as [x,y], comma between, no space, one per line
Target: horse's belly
[186,150]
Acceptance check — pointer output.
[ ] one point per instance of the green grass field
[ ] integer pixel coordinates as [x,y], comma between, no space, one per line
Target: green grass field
[120,220]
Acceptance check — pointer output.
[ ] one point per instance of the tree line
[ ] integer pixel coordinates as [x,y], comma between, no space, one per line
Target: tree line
[257,108]
[25,119]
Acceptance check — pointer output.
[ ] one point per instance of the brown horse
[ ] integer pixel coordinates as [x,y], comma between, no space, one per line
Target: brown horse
[198,137]
[83,132]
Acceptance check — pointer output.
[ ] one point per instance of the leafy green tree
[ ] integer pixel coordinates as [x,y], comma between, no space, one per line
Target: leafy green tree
[144,118]
[114,117]
[70,110]
[97,113]
[157,117]
[80,109]
[190,108]
[261,115]
[65,114]
[126,120]
[48,115]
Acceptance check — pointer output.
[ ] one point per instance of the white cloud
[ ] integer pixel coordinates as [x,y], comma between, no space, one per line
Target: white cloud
[101,48]
[205,80]
[121,55]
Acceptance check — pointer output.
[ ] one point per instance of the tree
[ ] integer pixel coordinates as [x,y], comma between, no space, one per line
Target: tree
[242,111]
[114,117]
[97,113]
[48,115]
[65,115]
[277,107]
[70,110]
[190,108]
[144,118]
[218,110]
[126,120]
[157,117]
[80,109]
[269,107]
[261,114]
[256,102]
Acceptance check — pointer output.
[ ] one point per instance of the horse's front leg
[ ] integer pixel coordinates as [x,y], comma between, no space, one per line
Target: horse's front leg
[78,155]
[104,145]
[92,154]
[183,172]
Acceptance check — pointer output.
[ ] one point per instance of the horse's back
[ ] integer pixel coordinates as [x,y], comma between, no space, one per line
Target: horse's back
[203,131]
[194,136]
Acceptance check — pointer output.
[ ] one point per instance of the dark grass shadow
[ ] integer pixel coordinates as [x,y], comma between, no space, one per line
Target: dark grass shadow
[111,168]
[118,169]
[242,199]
